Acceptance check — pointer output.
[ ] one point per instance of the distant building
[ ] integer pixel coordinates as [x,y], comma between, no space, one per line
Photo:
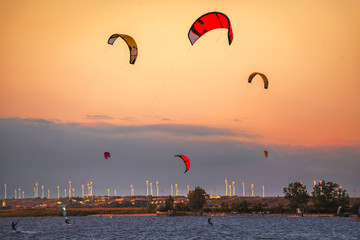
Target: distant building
[215,197]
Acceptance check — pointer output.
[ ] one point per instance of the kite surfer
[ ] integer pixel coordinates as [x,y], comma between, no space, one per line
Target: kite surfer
[209,221]
[67,221]
[13,226]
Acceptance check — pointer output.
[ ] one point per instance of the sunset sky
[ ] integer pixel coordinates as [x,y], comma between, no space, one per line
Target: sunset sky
[66,96]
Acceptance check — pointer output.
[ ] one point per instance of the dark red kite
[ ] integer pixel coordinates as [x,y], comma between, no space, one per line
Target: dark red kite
[266,153]
[208,22]
[106,155]
[186,161]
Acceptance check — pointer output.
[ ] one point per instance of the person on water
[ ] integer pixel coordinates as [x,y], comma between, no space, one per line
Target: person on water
[209,221]
[13,225]
[67,221]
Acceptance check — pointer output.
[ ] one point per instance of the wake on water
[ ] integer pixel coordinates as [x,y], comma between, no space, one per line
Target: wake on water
[26,232]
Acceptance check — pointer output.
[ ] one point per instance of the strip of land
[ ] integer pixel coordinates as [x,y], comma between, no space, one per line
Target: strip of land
[139,206]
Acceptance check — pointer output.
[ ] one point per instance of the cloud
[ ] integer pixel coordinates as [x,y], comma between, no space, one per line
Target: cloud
[35,120]
[39,150]
[174,130]
[128,119]
[98,117]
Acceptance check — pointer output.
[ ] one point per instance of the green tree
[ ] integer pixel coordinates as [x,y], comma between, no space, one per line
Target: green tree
[197,199]
[180,206]
[225,207]
[297,195]
[244,206]
[257,207]
[328,196]
[151,208]
[235,207]
[240,207]
[279,208]
[169,204]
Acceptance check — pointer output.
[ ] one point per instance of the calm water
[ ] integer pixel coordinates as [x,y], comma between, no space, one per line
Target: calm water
[148,227]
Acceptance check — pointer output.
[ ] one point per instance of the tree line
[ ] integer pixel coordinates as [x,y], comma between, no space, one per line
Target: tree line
[326,197]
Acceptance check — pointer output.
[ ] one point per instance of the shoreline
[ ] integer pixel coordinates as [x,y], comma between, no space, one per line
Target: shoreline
[122,215]
[110,212]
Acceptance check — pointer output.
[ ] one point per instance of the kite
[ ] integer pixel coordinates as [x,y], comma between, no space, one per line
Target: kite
[208,22]
[130,42]
[186,161]
[106,155]
[266,82]
[209,221]
[266,153]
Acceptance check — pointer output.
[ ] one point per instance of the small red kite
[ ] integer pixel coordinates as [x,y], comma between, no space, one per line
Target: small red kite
[106,155]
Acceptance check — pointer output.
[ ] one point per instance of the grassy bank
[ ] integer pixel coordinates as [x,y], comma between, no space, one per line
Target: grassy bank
[57,212]
[54,212]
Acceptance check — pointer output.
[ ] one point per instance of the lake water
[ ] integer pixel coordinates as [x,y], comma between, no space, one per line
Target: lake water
[150,227]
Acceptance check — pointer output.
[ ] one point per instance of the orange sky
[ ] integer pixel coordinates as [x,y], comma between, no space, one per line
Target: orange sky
[55,64]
